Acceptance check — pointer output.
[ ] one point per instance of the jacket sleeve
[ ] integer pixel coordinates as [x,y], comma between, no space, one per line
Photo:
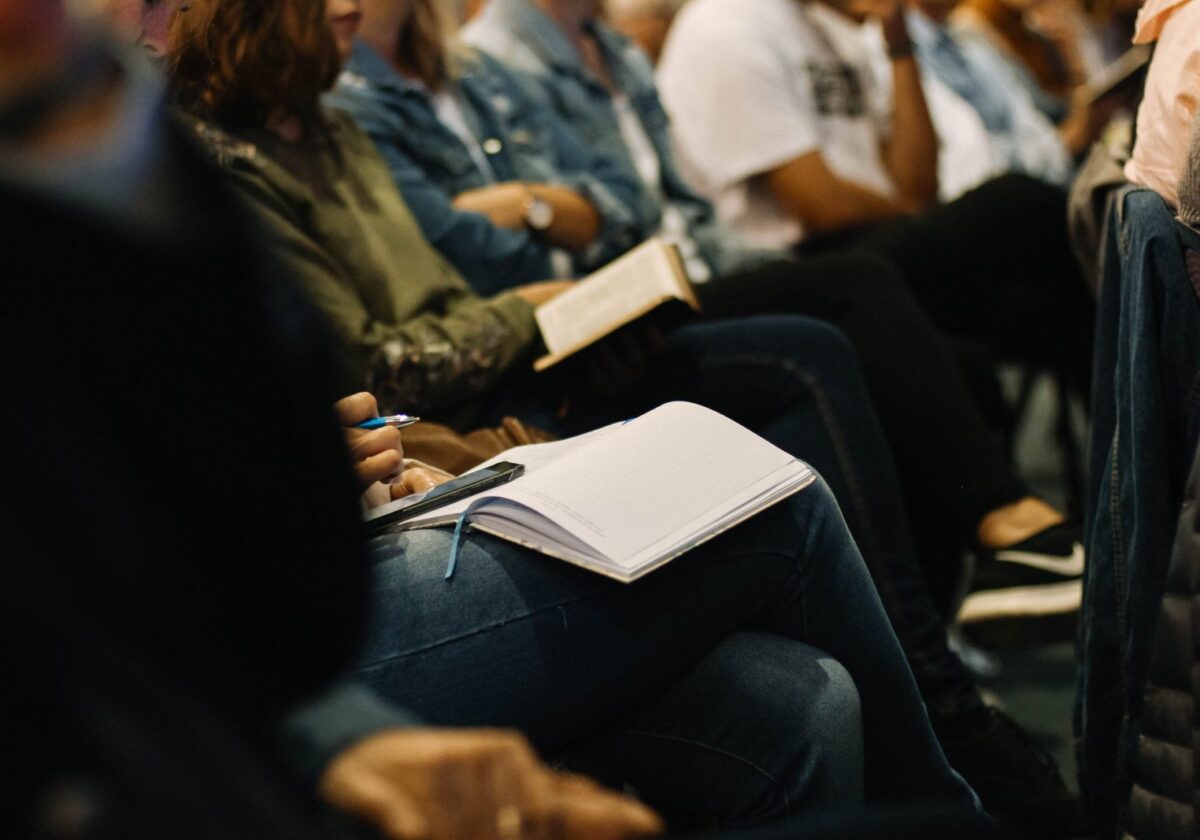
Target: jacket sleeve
[613,190]
[491,258]
[314,732]
[458,348]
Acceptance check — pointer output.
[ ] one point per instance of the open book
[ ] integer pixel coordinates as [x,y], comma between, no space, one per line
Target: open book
[621,292]
[629,497]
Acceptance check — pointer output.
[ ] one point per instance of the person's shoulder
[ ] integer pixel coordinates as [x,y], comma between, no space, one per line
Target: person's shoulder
[498,38]
[226,149]
[348,135]
[475,63]
[490,33]
[707,24]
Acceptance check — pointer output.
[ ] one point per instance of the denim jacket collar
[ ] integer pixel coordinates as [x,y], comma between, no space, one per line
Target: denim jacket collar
[544,37]
[367,68]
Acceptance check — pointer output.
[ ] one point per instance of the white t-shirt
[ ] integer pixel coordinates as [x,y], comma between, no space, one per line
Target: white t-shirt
[753,85]
[450,114]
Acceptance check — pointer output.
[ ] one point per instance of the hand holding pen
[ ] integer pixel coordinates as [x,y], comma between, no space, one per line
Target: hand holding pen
[393,421]
[374,442]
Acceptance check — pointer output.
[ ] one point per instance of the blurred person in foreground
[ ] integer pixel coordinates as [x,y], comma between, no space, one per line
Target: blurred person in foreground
[207,583]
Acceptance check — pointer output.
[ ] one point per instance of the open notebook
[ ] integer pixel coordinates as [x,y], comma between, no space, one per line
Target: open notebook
[627,498]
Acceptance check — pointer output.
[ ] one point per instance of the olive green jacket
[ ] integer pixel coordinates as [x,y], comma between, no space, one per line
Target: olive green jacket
[411,330]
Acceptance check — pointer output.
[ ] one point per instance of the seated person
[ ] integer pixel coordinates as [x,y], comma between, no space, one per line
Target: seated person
[220,611]
[1017,136]
[824,164]
[208,581]
[397,85]
[745,369]
[533,200]
[1046,57]
[1171,95]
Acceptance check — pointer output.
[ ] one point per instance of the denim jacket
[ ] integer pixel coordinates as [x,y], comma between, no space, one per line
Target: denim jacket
[522,36]
[1145,428]
[522,141]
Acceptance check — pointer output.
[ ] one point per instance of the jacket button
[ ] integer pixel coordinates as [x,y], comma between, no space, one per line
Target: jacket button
[492,146]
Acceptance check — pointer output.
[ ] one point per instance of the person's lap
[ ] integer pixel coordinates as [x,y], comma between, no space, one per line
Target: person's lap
[796,381]
[993,264]
[517,639]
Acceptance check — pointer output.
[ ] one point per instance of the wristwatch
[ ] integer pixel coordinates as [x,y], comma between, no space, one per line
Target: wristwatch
[539,213]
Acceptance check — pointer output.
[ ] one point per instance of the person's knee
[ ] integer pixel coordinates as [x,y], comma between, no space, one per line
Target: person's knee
[834,735]
[819,348]
[811,727]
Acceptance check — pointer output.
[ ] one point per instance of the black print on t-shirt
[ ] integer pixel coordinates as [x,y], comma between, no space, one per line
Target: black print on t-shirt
[837,90]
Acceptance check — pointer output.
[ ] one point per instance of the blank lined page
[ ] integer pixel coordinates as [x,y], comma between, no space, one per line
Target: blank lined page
[648,478]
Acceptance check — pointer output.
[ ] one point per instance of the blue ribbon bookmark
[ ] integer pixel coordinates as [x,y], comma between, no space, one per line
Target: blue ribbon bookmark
[456,541]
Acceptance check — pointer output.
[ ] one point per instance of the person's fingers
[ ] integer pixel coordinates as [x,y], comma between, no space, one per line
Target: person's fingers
[506,775]
[419,480]
[356,408]
[384,466]
[364,444]
[361,791]
[584,809]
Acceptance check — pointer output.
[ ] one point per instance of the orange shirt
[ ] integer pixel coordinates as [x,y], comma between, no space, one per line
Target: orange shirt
[1172,88]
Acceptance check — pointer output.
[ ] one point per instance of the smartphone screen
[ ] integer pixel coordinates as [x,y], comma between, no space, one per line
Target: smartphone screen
[444,494]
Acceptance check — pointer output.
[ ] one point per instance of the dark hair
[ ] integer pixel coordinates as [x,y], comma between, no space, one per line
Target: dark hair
[235,62]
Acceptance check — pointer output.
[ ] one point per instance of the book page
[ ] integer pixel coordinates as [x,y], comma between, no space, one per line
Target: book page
[653,476]
[630,496]
[624,289]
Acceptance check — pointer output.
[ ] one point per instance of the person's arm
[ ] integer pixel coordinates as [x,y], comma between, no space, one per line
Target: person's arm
[612,188]
[490,257]
[378,455]
[824,202]
[435,359]
[575,221]
[486,784]
[910,152]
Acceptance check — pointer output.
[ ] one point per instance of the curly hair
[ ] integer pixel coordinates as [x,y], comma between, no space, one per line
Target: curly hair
[237,62]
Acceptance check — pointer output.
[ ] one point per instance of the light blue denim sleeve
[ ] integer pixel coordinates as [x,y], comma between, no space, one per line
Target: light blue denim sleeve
[613,190]
[314,732]
[491,258]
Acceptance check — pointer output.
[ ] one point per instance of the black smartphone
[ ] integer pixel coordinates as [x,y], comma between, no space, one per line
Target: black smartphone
[452,491]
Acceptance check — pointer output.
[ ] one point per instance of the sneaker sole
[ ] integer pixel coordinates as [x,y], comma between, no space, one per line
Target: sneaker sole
[1021,601]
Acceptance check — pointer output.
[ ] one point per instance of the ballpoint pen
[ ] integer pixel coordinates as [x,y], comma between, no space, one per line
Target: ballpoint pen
[398,421]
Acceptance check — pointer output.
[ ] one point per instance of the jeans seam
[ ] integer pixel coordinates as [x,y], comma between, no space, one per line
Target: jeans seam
[487,628]
[1118,551]
[637,733]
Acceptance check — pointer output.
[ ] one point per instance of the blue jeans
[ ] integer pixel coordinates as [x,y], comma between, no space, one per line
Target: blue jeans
[796,381]
[696,683]
[1145,424]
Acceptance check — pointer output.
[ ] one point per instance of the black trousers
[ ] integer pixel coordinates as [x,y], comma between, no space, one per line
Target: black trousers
[951,464]
[995,264]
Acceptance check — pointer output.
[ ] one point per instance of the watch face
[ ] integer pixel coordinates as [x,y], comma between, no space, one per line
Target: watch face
[539,215]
